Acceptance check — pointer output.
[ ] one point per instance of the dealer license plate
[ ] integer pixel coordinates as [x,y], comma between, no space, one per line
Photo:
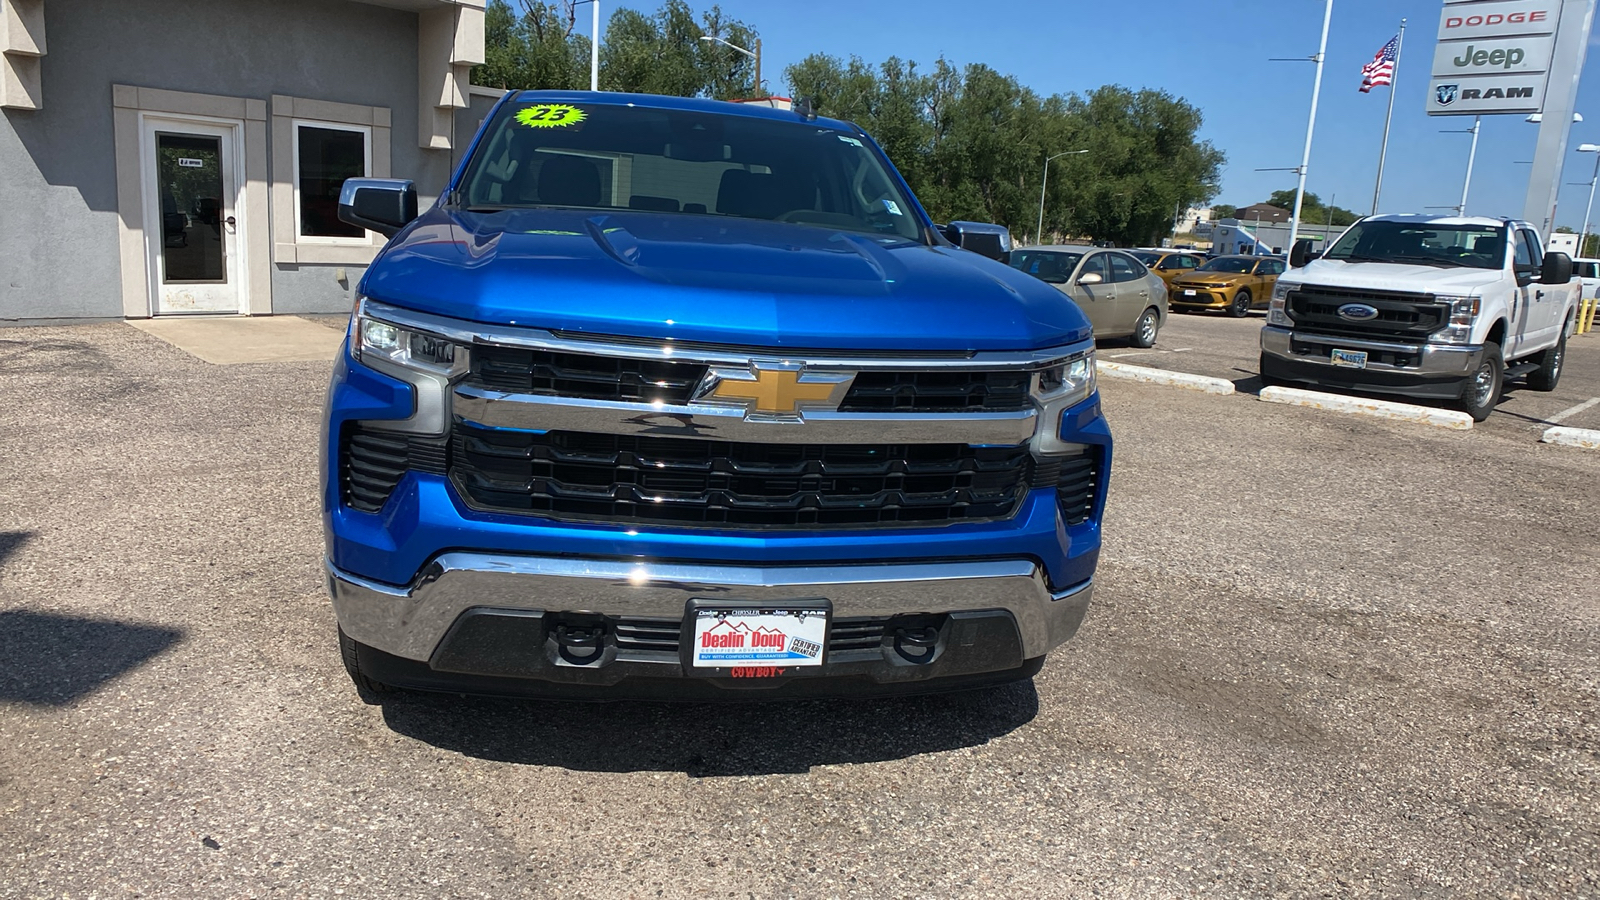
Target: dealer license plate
[757,637]
[1350,359]
[1188,292]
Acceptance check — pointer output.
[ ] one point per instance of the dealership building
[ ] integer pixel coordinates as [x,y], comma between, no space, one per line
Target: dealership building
[171,157]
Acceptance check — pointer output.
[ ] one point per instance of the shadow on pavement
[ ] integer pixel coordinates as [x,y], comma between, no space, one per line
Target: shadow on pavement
[11,542]
[51,660]
[710,740]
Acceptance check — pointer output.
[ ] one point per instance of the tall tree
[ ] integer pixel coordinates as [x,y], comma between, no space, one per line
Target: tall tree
[534,46]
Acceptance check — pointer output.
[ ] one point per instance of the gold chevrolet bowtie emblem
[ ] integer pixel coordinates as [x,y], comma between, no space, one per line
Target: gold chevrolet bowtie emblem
[775,392]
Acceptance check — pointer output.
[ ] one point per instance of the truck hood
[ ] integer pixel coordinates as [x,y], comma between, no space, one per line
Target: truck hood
[1392,277]
[715,279]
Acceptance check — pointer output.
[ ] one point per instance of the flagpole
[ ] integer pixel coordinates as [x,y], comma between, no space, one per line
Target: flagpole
[1394,80]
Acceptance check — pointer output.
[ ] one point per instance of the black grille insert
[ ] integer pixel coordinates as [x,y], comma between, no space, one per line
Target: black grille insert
[624,478]
[938,392]
[583,376]
[372,462]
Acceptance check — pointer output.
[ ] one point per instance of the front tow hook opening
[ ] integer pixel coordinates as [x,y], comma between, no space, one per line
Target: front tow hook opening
[580,643]
[917,643]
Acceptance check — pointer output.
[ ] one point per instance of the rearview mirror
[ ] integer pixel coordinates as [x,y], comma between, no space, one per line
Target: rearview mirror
[1090,278]
[1557,269]
[384,205]
[1302,254]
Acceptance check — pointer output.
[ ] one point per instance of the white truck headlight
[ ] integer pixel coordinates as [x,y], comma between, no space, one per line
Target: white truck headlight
[1463,315]
[1277,310]
[376,339]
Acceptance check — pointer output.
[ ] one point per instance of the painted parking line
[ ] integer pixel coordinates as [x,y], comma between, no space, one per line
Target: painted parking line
[1383,409]
[1566,414]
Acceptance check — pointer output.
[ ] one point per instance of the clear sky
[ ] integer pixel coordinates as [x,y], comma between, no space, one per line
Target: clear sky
[1214,54]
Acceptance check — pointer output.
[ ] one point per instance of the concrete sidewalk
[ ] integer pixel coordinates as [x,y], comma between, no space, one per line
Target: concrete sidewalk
[231,340]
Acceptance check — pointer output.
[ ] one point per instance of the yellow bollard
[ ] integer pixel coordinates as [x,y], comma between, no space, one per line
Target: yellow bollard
[1586,315]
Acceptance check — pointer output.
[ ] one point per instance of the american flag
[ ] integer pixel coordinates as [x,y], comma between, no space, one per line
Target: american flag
[1380,71]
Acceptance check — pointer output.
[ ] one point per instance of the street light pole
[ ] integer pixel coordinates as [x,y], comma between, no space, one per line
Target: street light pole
[1045,181]
[594,42]
[1583,236]
[753,54]
[1311,124]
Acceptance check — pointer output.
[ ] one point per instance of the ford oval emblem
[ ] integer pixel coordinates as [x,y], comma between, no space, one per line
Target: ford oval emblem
[1357,312]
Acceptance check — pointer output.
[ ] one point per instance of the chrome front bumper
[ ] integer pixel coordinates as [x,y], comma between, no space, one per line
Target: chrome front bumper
[1435,360]
[411,621]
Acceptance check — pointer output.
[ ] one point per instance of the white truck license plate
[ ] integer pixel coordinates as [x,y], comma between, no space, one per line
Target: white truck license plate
[1350,359]
[758,637]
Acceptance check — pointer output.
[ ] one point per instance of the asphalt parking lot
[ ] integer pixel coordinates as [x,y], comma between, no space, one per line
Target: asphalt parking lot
[1329,656]
[1216,345]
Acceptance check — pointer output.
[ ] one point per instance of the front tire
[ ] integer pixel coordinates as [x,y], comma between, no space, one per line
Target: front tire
[1482,391]
[370,689]
[1144,331]
[1548,375]
[1241,304]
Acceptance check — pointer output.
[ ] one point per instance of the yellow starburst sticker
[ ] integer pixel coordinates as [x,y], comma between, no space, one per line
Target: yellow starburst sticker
[550,115]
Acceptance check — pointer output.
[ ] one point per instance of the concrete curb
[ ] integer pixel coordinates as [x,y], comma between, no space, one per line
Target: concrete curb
[1586,438]
[1162,376]
[1383,409]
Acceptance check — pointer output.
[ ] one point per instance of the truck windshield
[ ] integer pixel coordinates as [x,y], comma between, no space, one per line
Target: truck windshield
[614,157]
[1467,246]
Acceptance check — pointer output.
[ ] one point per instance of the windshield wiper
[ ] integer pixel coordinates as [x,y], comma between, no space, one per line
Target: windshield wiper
[1425,260]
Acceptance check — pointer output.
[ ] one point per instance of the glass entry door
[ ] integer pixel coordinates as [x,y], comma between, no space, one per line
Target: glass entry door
[195,257]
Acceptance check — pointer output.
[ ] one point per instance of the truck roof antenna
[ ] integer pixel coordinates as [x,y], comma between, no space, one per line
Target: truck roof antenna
[805,107]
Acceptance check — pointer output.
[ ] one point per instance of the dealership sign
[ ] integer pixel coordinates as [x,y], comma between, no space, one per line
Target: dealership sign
[1492,57]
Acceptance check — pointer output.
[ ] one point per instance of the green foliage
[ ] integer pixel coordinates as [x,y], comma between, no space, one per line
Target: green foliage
[1220,211]
[1566,229]
[1312,210]
[1591,246]
[536,45]
[972,144]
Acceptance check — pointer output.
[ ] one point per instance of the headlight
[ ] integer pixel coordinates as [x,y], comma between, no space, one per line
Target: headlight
[1061,386]
[377,339]
[1463,315]
[1278,309]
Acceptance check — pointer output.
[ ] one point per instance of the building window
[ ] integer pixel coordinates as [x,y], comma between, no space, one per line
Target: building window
[325,155]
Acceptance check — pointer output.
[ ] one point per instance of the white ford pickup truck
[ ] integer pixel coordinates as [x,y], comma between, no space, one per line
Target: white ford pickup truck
[1423,306]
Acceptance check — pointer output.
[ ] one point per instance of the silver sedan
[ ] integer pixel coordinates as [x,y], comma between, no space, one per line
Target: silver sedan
[1120,296]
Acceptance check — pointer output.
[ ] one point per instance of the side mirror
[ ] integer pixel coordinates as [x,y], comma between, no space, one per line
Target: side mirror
[384,205]
[987,239]
[1557,269]
[1090,278]
[1302,254]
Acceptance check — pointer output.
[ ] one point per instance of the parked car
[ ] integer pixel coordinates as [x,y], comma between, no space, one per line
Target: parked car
[1446,307]
[1588,272]
[685,399]
[1236,284]
[1168,264]
[1121,297]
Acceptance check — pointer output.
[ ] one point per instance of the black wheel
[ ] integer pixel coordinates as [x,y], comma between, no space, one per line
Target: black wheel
[1482,391]
[1548,375]
[368,688]
[1241,304]
[1144,332]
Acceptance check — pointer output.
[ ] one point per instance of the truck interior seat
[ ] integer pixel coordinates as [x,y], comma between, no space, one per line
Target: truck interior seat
[654,204]
[569,181]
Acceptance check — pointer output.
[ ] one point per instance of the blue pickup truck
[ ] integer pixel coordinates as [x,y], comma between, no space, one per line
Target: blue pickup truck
[685,399]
